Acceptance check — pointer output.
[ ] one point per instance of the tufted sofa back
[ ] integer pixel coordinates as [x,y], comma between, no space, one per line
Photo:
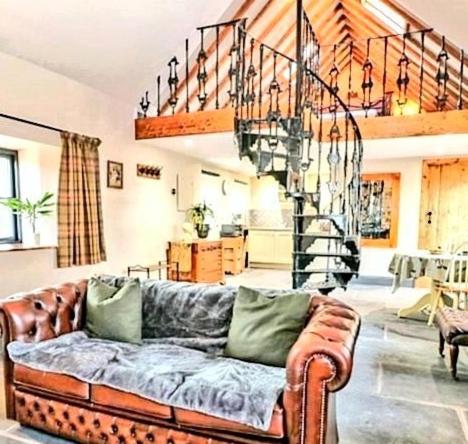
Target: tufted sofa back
[43,314]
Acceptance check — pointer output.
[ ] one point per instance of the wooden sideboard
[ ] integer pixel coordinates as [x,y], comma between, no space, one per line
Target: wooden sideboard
[199,261]
[233,254]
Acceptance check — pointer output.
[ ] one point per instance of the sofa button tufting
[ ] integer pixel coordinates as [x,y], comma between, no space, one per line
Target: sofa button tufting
[51,410]
[81,419]
[96,423]
[88,434]
[32,332]
[21,402]
[29,413]
[66,415]
[58,423]
[36,406]
[103,437]
[73,427]
[38,305]
[169,441]
[114,429]
[72,316]
[42,417]
[150,437]
[59,299]
[133,432]
[121,439]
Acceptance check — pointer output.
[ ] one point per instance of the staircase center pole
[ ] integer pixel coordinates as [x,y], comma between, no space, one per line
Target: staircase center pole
[299,73]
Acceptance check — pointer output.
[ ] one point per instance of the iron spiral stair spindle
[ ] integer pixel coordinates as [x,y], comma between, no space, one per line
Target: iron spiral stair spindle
[299,139]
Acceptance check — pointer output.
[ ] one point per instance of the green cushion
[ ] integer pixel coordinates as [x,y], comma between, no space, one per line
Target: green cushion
[113,313]
[263,329]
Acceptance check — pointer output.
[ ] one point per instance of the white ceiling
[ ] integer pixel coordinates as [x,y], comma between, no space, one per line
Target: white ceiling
[448,17]
[115,46]
[119,46]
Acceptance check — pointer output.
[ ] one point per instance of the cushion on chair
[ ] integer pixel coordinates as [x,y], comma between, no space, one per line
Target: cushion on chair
[182,309]
[114,313]
[453,325]
[264,328]
[50,382]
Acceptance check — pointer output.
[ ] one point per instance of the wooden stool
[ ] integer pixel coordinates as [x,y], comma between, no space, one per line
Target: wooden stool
[453,330]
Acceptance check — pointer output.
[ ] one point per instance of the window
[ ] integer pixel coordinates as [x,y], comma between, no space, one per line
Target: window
[9,223]
[385,13]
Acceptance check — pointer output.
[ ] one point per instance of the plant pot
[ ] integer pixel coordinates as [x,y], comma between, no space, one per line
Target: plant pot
[202,230]
[37,239]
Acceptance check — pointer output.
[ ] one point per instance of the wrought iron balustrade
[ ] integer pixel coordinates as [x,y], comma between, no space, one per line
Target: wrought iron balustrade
[397,74]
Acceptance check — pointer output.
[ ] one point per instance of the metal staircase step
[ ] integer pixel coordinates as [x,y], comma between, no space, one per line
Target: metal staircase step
[324,254]
[337,271]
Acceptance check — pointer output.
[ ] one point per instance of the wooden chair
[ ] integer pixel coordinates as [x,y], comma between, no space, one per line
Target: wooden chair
[454,286]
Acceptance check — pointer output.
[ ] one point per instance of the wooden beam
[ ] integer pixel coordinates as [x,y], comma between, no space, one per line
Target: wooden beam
[426,124]
[184,124]
[222,120]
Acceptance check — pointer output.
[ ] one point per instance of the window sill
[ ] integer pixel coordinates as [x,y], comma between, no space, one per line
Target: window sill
[6,248]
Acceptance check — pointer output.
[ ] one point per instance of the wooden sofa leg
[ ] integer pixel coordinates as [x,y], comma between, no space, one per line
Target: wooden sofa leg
[441,344]
[453,360]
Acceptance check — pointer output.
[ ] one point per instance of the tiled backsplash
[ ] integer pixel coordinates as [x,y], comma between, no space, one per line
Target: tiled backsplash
[271,218]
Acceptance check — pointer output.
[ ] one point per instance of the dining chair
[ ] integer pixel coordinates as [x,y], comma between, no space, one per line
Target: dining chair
[454,286]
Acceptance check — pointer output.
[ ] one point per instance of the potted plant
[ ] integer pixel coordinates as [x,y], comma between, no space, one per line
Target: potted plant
[32,210]
[197,215]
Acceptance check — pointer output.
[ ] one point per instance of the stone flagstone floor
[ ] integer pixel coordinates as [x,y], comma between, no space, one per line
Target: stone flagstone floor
[400,392]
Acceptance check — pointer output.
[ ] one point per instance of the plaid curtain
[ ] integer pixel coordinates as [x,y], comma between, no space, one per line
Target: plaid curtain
[80,226]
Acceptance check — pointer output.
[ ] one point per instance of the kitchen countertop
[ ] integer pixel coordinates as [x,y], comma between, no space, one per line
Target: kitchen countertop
[286,230]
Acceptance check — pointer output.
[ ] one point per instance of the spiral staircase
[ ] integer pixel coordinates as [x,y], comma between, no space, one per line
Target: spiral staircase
[292,125]
[295,128]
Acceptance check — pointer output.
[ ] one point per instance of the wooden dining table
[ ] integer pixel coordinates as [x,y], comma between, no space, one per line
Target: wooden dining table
[417,264]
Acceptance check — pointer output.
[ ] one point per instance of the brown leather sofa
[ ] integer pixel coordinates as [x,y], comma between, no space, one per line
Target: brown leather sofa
[319,364]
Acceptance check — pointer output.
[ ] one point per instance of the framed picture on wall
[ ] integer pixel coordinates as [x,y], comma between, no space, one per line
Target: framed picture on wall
[114,174]
[380,200]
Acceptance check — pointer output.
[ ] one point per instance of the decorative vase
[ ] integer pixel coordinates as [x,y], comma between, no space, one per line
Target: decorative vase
[202,230]
[37,239]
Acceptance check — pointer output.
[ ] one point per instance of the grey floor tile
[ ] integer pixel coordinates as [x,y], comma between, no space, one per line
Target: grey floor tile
[367,419]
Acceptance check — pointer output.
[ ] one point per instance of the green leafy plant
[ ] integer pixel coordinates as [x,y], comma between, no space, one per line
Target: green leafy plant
[198,213]
[32,210]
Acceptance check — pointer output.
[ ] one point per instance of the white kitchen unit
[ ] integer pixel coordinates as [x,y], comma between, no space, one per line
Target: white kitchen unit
[270,246]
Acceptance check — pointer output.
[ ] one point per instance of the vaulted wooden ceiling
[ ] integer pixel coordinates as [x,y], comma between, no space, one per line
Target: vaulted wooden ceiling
[336,23]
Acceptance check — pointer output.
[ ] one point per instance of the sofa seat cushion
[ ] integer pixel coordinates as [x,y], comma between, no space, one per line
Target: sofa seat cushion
[50,382]
[172,375]
[190,418]
[103,395]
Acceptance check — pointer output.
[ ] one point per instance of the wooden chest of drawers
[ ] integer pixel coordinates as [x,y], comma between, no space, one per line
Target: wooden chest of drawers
[233,254]
[206,261]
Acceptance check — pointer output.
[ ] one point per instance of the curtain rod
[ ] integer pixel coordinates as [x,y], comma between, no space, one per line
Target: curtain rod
[31,122]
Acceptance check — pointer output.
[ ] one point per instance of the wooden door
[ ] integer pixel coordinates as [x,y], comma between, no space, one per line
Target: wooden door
[443,221]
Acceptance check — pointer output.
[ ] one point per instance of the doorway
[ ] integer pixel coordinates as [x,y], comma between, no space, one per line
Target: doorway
[443,222]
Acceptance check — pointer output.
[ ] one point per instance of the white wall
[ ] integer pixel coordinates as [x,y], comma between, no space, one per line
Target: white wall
[375,261]
[138,220]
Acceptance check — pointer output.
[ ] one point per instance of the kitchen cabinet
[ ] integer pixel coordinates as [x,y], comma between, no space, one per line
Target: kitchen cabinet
[270,246]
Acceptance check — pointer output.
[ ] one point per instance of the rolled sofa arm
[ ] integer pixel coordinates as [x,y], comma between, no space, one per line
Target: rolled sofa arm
[320,362]
[43,314]
[37,316]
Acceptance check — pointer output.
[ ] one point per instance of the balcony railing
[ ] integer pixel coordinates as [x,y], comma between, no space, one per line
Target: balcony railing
[395,74]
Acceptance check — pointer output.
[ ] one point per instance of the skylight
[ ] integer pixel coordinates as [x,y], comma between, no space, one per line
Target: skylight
[385,13]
